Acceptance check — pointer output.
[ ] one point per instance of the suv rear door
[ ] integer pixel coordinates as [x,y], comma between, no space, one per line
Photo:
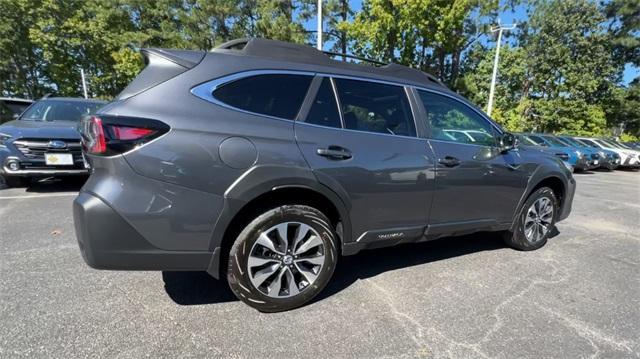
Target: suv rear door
[477,186]
[360,139]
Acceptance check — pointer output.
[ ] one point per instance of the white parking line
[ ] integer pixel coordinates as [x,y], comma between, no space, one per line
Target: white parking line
[41,196]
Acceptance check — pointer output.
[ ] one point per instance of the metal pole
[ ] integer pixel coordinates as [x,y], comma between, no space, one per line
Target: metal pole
[84,83]
[495,64]
[319,44]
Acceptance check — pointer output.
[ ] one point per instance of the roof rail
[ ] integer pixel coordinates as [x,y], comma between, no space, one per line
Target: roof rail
[376,62]
[292,52]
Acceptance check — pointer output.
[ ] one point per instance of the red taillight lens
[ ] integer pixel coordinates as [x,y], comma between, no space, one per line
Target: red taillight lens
[112,135]
[130,133]
[94,140]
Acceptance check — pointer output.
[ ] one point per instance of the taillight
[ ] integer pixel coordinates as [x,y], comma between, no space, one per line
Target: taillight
[94,134]
[111,135]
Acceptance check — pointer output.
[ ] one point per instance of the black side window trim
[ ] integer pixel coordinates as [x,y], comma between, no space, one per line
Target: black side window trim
[499,131]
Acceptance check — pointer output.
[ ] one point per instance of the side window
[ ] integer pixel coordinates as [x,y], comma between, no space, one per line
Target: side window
[277,95]
[374,107]
[324,111]
[453,121]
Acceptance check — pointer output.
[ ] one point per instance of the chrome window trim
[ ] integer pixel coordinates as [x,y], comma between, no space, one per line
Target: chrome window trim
[205,91]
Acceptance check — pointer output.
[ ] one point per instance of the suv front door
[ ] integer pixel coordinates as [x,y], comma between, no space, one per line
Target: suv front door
[359,137]
[477,185]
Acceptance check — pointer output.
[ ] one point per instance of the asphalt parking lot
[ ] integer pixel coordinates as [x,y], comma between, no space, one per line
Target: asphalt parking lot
[579,296]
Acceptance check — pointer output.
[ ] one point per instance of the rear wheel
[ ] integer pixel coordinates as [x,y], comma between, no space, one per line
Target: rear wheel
[535,222]
[283,258]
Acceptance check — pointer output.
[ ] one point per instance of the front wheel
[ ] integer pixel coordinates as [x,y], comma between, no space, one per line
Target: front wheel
[283,258]
[535,222]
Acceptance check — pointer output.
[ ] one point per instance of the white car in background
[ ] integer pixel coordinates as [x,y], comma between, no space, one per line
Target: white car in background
[628,157]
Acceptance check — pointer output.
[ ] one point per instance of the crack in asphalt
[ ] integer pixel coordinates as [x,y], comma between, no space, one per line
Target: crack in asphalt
[402,317]
[496,312]
[589,333]
[419,328]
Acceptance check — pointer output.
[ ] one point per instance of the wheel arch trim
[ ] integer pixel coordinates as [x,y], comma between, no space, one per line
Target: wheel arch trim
[262,180]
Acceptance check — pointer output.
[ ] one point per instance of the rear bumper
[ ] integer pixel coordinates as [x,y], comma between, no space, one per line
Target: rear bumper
[107,241]
[44,172]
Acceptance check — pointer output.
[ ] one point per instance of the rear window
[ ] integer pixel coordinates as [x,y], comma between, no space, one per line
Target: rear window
[277,95]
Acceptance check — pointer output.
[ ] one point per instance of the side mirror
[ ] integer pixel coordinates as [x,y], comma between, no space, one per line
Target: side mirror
[15,116]
[508,142]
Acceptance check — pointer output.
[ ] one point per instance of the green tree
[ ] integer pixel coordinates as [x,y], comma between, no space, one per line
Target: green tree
[623,25]
[21,61]
[428,34]
[623,111]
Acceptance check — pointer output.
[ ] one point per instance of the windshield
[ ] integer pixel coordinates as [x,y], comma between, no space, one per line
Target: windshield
[622,145]
[537,140]
[604,143]
[588,142]
[554,141]
[610,143]
[59,110]
[569,142]
[526,141]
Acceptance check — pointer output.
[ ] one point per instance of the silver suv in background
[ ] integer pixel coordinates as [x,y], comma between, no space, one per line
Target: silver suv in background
[44,141]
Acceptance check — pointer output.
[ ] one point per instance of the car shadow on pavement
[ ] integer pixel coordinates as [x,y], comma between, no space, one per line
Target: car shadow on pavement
[193,288]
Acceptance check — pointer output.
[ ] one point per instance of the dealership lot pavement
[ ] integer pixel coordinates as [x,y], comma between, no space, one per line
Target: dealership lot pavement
[579,296]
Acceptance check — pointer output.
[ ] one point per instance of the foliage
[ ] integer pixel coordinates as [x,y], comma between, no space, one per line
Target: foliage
[557,76]
[426,34]
[559,71]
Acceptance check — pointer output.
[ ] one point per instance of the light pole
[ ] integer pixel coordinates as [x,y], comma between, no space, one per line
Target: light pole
[319,43]
[84,83]
[499,29]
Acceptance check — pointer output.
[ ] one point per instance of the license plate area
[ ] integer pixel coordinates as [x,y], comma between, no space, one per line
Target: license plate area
[58,159]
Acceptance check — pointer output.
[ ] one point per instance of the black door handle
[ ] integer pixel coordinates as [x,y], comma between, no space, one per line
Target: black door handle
[334,152]
[449,161]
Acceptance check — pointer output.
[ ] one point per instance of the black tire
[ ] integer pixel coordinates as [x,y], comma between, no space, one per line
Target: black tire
[11,181]
[238,271]
[517,239]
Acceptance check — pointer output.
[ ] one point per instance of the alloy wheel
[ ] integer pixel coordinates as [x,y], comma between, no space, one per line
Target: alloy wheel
[286,259]
[539,219]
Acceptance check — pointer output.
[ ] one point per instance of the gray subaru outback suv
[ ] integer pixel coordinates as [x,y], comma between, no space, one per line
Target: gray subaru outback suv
[263,162]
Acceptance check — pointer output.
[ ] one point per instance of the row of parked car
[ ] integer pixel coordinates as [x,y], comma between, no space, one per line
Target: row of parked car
[46,142]
[584,153]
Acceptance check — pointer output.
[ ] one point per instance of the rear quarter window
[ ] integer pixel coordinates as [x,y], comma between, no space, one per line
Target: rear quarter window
[277,95]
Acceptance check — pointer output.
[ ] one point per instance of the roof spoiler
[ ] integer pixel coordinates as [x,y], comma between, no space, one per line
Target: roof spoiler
[160,65]
[184,58]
